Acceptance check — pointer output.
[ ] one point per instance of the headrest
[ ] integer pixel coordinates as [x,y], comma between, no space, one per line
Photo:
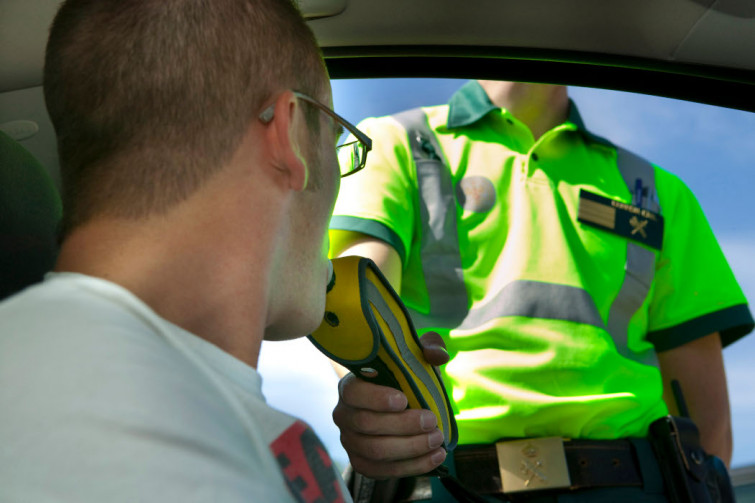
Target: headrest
[30,211]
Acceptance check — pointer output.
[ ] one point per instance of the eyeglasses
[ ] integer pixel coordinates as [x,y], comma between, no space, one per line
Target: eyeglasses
[352,153]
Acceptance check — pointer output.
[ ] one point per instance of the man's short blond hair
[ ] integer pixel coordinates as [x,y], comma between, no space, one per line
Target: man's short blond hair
[151,97]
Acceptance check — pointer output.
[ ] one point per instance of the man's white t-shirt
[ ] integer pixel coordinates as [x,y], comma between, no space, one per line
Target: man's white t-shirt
[102,400]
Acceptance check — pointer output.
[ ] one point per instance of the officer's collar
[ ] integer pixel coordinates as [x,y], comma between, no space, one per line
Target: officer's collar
[468,105]
[471,103]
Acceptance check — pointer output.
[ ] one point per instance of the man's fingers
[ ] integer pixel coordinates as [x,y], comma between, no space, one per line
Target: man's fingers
[434,348]
[404,468]
[382,437]
[361,394]
[391,448]
[370,422]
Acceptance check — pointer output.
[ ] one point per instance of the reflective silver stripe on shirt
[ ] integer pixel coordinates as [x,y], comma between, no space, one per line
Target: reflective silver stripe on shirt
[536,299]
[640,263]
[439,248]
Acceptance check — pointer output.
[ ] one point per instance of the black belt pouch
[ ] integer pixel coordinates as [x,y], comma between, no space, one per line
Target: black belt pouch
[690,475]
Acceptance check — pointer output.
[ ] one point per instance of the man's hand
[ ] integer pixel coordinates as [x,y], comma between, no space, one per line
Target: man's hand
[381,436]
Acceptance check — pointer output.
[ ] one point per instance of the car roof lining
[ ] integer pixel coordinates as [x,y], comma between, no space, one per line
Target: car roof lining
[718,86]
[709,36]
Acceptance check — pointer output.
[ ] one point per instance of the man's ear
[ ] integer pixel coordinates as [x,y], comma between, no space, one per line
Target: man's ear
[284,136]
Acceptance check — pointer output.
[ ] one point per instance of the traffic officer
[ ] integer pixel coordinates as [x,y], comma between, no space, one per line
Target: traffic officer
[571,281]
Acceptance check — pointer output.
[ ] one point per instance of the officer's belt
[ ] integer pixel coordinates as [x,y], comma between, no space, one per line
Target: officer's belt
[589,464]
[536,466]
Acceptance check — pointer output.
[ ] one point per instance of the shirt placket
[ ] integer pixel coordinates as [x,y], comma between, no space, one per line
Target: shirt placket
[545,151]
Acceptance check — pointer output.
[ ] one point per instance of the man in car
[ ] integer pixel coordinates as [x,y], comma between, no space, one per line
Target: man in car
[571,280]
[199,174]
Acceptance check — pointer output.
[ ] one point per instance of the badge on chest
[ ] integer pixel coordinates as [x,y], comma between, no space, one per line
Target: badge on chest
[626,220]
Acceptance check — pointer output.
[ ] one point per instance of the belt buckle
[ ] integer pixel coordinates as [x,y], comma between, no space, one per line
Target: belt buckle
[532,464]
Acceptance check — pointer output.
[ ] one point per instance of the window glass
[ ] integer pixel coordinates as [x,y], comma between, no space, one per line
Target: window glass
[710,148]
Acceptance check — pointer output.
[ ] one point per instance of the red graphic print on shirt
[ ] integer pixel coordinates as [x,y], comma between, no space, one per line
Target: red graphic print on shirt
[306,465]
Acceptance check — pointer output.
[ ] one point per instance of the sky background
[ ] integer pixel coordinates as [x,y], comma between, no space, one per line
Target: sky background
[712,149]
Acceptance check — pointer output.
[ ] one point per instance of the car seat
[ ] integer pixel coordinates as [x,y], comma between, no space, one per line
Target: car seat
[30,211]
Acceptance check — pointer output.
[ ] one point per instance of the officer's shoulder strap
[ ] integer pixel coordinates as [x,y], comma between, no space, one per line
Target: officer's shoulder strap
[422,141]
[638,173]
[440,253]
[633,168]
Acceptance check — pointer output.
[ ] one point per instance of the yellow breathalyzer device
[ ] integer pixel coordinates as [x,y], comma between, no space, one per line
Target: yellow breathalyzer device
[367,329]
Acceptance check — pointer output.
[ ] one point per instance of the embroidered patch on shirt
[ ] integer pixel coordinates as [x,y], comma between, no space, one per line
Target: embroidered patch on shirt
[626,220]
[309,471]
[476,194]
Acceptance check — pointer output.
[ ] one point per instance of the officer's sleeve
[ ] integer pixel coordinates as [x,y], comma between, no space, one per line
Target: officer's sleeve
[381,199]
[695,292]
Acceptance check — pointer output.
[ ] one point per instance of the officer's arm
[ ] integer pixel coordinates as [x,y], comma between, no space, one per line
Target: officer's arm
[382,437]
[699,368]
[343,243]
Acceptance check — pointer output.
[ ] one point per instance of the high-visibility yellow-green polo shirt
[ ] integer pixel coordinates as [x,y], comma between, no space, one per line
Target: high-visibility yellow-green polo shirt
[552,274]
